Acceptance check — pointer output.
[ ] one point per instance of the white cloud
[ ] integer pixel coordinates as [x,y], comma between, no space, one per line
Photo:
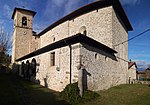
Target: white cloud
[7,11]
[72,5]
[130,2]
[142,64]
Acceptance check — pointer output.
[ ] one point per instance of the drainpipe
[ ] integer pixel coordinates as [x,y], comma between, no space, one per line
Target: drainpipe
[70,62]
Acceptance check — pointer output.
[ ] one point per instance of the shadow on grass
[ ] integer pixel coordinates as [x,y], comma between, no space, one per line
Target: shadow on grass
[42,95]
[39,95]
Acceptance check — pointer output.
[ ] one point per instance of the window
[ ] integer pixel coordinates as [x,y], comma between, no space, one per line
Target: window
[27,68]
[53,39]
[22,68]
[52,59]
[33,67]
[24,21]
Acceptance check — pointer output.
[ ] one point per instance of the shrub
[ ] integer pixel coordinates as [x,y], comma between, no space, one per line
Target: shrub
[71,94]
[89,95]
[146,79]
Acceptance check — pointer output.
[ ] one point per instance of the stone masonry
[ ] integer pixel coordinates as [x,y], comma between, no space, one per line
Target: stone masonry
[102,70]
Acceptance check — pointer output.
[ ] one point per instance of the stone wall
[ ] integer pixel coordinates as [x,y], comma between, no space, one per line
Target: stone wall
[22,43]
[97,68]
[120,35]
[35,43]
[102,70]
[98,24]
[22,35]
[58,76]
[57,33]
[132,74]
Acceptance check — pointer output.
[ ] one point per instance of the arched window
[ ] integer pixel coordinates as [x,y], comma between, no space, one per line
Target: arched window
[22,68]
[33,67]
[27,69]
[24,21]
[82,30]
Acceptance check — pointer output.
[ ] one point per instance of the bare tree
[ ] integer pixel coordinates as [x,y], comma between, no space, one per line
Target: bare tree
[5,41]
[5,46]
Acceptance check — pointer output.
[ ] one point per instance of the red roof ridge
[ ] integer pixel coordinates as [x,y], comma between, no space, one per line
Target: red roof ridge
[130,64]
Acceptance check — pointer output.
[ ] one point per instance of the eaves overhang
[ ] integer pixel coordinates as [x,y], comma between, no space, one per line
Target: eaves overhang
[78,38]
[21,9]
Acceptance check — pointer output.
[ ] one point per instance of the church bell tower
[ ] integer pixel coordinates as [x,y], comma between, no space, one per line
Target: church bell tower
[22,33]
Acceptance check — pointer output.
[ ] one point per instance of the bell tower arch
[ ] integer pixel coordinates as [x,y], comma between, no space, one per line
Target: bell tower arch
[22,33]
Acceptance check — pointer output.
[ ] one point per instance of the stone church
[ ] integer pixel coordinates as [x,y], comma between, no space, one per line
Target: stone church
[85,47]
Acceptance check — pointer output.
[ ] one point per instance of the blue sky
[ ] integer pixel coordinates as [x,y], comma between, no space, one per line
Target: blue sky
[48,11]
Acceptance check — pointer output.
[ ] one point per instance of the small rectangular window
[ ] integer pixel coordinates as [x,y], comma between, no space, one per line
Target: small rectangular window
[52,59]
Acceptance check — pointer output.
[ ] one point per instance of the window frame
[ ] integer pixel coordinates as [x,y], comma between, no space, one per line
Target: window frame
[52,59]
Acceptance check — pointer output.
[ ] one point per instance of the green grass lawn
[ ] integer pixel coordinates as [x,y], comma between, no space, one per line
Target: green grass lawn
[120,95]
[134,94]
